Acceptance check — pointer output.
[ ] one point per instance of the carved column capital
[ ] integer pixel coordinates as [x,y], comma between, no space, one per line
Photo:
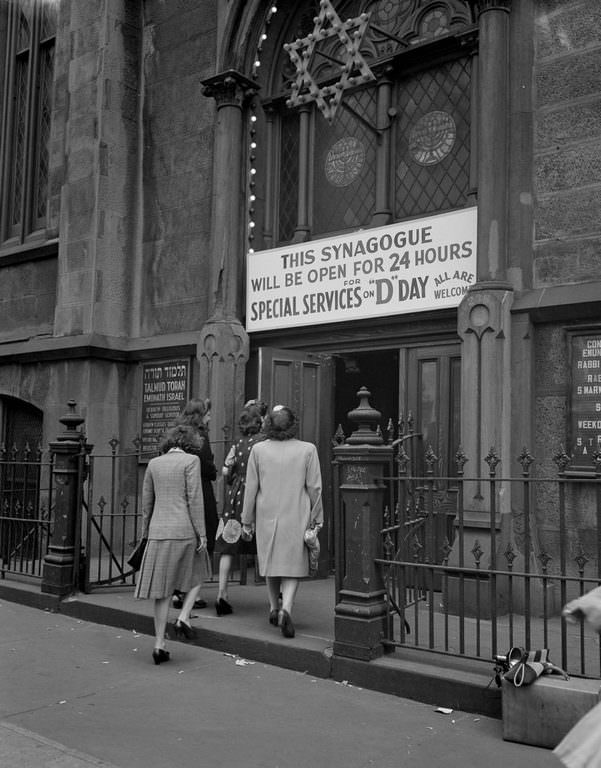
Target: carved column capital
[229,88]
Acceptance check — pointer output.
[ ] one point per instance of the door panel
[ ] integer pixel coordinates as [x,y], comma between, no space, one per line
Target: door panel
[304,382]
[433,394]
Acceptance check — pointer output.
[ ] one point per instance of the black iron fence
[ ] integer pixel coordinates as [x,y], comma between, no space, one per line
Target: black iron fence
[26,510]
[112,515]
[112,518]
[473,566]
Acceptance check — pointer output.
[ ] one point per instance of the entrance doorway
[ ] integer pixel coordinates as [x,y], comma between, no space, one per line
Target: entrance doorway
[377,371]
[421,382]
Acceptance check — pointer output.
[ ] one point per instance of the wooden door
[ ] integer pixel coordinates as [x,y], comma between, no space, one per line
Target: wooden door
[303,381]
[433,396]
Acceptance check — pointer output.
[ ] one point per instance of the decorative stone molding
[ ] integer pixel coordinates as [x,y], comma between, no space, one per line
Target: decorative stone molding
[229,88]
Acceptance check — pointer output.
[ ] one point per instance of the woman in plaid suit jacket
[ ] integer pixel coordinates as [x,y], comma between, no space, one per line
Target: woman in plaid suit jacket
[174,524]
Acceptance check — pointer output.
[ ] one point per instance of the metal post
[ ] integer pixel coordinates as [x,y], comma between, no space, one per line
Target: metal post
[59,573]
[360,612]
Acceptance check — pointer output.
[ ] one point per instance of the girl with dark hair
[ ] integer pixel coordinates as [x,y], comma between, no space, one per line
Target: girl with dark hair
[197,415]
[173,522]
[282,501]
[230,540]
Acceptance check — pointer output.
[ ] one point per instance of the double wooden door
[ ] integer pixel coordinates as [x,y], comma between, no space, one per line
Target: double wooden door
[428,387]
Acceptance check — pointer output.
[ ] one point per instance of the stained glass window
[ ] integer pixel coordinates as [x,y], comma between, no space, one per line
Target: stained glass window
[24,147]
[432,144]
[415,163]
[288,201]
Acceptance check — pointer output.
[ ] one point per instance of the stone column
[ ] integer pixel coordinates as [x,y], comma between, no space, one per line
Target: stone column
[223,345]
[383,209]
[302,230]
[493,136]
[60,571]
[360,596]
[484,320]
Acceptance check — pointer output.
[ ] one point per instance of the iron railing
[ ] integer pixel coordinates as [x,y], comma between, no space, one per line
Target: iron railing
[475,583]
[112,513]
[26,509]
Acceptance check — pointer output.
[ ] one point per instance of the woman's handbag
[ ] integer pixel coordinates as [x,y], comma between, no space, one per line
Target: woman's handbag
[312,544]
[524,667]
[135,559]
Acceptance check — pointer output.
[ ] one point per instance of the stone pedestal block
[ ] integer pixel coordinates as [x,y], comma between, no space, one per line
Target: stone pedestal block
[542,713]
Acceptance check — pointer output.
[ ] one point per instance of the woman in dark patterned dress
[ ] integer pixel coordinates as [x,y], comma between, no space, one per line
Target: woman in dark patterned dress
[197,415]
[229,541]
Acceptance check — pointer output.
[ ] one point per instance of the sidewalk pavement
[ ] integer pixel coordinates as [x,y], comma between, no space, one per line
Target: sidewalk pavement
[76,694]
[446,681]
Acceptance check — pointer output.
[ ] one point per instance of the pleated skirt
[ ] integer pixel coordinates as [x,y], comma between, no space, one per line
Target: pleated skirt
[171,564]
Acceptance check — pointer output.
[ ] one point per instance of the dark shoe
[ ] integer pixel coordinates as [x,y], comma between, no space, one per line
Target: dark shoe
[200,604]
[160,655]
[183,631]
[273,617]
[285,623]
[177,600]
[223,608]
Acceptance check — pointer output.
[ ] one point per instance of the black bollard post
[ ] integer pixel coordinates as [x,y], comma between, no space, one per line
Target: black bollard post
[360,595]
[59,574]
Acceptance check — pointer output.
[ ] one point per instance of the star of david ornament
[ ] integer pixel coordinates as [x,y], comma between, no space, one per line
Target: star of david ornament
[353,68]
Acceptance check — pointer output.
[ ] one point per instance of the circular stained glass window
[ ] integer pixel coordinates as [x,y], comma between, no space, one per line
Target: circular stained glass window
[432,138]
[344,161]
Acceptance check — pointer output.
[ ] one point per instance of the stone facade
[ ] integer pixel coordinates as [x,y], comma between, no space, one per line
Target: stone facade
[142,257]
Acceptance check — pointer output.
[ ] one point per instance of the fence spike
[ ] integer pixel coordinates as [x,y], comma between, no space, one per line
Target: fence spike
[339,436]
[561,459]
[525,459]
[461,460]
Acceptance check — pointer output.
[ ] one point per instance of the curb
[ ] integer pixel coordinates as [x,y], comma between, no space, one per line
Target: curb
[456,683]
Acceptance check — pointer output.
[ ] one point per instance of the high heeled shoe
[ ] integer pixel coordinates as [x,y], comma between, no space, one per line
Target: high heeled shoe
[223,608]
[160,655]
[273,617]
[183,631]
[285,623]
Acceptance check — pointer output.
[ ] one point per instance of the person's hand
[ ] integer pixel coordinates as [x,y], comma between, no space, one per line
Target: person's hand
[587,606]
[247,532]
[201,543]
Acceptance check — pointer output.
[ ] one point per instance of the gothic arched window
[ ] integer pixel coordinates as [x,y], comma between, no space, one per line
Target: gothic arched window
[397,145]
[28,38]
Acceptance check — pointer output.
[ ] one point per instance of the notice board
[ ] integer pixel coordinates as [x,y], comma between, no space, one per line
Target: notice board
[165,392]
[585,399]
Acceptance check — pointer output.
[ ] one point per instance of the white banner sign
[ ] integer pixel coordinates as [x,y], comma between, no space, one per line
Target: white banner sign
[411,266]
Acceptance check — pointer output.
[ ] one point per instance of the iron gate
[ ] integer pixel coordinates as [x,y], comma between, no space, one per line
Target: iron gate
[26,509]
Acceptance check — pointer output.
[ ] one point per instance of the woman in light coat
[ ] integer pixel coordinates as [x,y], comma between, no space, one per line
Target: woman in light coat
[174,524]
[581,746]
[282,500]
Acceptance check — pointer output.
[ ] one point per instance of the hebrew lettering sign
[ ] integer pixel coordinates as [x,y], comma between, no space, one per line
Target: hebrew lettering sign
[165,391]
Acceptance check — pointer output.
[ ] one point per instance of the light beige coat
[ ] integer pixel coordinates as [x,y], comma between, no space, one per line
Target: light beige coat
[282,498]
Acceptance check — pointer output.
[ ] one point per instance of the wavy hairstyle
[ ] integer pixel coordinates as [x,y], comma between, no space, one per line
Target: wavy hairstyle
[281,423]
[250,421]
[182,436]
[194,413]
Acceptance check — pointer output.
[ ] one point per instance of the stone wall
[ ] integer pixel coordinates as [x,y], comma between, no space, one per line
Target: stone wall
[179,51]
[27,299]
[567,156]
[99,43]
